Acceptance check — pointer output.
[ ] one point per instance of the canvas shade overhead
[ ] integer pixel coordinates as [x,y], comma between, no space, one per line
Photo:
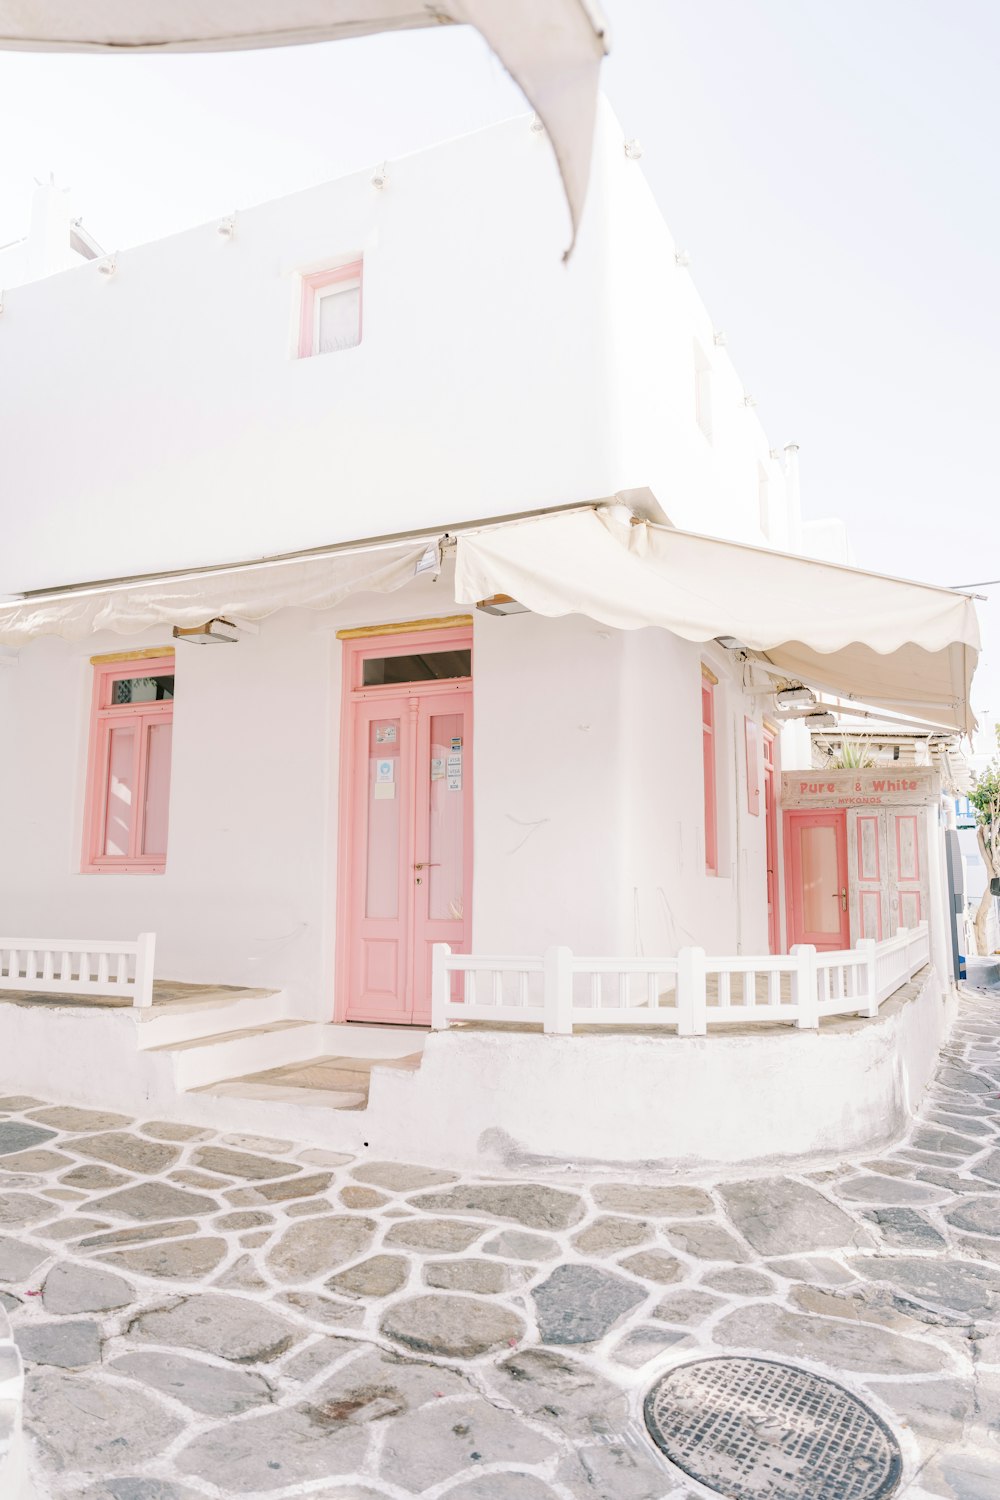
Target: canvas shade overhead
[883,641]
[551,48]
[249,593]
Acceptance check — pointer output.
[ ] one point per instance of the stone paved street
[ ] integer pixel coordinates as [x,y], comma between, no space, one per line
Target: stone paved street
[208,1315]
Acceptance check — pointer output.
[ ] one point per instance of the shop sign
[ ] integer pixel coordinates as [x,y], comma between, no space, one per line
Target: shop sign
[911,786]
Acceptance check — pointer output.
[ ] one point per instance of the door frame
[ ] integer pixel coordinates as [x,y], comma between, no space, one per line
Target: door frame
[451,632]
[792,894]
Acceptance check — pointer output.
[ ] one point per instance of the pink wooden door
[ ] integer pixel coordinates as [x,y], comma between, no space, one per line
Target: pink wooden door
[866,849]
[817,869]
[771,844]
[406,855]
[907,867]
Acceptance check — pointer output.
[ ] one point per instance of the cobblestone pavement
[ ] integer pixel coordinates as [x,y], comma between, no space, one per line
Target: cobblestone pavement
[217,1315]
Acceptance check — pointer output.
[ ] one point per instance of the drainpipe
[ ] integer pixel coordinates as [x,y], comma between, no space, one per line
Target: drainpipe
[792,498]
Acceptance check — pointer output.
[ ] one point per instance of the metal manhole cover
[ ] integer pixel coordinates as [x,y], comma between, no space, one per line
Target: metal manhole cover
[753,1429]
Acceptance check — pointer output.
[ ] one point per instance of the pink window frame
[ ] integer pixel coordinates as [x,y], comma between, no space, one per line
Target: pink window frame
[317,281]
[708,766]
[103,717]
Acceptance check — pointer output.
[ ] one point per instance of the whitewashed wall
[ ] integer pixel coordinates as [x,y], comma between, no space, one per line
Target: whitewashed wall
[156,419]
[588,821]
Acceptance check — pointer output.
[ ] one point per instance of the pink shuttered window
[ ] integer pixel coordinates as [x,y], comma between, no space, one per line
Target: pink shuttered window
[708,766]
[128,771]
[330,310]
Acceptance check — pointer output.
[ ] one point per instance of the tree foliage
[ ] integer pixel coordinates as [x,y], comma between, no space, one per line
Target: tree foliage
[985,798]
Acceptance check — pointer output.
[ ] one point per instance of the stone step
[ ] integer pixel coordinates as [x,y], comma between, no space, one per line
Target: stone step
[232,1054]
[208,1014]
[322,1080]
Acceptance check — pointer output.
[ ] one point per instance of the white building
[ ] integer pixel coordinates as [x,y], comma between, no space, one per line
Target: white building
[352,393]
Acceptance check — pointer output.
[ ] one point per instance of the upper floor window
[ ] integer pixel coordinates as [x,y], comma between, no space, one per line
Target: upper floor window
[128,773]
[330,311]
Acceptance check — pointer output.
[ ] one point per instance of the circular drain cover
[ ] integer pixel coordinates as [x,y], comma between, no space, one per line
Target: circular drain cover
[756,1430]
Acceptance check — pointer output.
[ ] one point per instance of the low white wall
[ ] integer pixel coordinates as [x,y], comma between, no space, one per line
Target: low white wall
[507,1099]
[513,1099]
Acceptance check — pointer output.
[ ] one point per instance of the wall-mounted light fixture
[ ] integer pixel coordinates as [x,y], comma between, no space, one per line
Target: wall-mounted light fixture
[682,257]
[729,643]
[748,400]
[501,604]
[820,721]
[108,266]
[719,339]
[633,149]
[215,632]
[380,176]
[226,228]
[536,124]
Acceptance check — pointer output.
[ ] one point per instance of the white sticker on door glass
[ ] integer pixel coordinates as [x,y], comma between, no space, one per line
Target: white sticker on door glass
[384,770]
[437,768]
[385,734]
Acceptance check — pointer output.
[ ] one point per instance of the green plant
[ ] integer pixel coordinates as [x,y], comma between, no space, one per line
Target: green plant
[854,755]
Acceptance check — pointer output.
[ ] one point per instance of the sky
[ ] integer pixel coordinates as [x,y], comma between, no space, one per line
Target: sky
[830,167]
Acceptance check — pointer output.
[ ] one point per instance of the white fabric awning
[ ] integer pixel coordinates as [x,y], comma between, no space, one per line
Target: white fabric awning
[883,641]
[551,48]
[249,593]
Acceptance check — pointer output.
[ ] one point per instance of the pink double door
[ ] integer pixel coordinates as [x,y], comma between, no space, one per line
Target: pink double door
[406,851]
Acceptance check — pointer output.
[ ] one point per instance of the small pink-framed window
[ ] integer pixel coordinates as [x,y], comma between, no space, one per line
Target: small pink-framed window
[330,310]
[128,769]
[708,684]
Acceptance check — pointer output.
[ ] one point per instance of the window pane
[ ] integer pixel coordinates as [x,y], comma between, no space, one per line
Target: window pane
[121,790]
[425,667]
[384,800]
[445,899]
[338,319]
[157,799]
[142,689]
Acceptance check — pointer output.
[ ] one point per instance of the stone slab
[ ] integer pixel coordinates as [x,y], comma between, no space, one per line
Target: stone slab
[959,1285]
[451,1327]
[609,1234]
[153,1200]
[71,1288]
[519,1244]
[273,1451]
[132,1152]
[214,1390]
[425,1448]
[70,1118]
[86,1426]
[579,1304]
[379,1276]
[18,1135]
[778,1215]
[433,1235]
[241,1163]
[71,1346]
[186,1260]
[534,1205]
[765,1328]
[400,1177]
[314,1246]
[229,1327]
[18,1260]
[652,1202]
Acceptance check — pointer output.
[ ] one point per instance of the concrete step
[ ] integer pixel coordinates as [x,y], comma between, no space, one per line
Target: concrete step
[209,1015]
[232,1054]
[323,1080]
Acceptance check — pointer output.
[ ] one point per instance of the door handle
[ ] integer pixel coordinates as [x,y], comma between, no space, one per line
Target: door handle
[843,898]
[431,864]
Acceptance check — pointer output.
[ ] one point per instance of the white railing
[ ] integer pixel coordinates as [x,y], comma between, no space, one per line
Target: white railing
[73,966]
[689,993]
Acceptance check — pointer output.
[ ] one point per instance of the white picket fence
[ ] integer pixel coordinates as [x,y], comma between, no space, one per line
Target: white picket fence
[73,966]
[688,993]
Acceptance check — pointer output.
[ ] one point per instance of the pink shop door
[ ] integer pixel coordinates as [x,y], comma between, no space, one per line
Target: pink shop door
[408,863]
